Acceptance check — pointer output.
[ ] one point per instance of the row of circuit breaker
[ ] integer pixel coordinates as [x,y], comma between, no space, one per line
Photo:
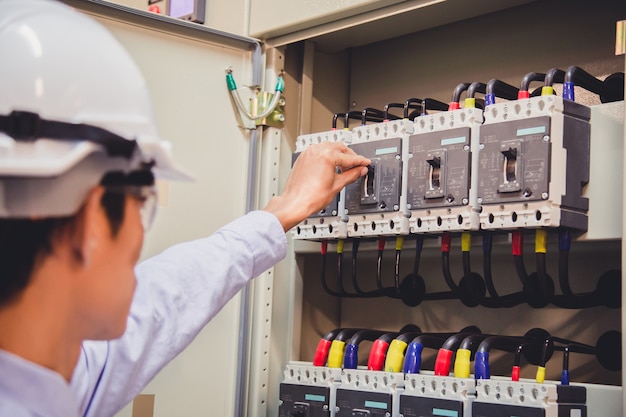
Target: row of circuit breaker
[520,163]
[393,385]
[309,391]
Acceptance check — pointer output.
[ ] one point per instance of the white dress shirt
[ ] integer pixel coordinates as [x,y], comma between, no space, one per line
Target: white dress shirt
[177,293]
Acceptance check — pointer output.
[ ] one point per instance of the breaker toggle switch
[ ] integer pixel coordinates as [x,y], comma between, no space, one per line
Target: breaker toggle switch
[369,193]
[299,410]
[435,176]
[510,175]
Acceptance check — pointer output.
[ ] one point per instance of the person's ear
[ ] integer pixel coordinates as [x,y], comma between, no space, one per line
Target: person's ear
[90,226]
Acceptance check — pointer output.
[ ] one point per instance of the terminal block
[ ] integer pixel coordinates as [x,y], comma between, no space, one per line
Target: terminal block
[496,398]
[365,393]
[441,187]
[308,391]
[376,203]
[330,222]
[429,395]
[534,164]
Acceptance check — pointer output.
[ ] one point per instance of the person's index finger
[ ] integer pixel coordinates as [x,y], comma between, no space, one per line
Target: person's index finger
[345,161]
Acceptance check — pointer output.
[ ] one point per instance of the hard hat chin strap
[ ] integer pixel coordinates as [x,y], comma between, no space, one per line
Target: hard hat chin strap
[28,126]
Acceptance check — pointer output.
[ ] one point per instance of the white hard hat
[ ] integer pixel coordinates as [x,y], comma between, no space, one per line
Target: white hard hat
[73,107]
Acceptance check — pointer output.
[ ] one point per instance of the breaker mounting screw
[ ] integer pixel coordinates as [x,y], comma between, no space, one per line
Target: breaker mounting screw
[544,195]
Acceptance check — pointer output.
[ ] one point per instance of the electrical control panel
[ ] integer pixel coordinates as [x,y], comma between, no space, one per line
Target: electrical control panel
[442,154]
[376,203]
[330,222]
[534,164]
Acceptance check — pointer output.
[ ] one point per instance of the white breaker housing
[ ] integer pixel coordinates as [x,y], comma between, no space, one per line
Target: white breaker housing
[376,203]
[364,393]
[534,163]
[330,222]
[508,398]
[308,390]
[429,395]
[442,159]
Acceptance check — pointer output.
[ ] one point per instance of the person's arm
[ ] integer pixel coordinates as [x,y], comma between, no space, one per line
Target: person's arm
[179,291]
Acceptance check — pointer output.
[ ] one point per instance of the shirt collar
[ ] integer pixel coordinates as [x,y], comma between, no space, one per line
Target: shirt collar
[39,389]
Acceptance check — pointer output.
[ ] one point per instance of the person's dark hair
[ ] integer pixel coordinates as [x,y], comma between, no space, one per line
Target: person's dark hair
[24,241]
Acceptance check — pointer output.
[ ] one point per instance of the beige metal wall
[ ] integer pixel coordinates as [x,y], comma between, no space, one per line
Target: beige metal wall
[187,81]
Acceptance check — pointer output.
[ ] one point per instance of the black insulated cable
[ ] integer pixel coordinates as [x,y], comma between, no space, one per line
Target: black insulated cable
[324,254]
[608,287]
[412,289]
[525,84]
[358,115]
[456,95]
[372,114]
[335,117]
[613,88]
[412,103]
[342,293]
[475,87]
[386,115]
[471,289]
[495,300]
[496,88]
[534,297]
[554,75]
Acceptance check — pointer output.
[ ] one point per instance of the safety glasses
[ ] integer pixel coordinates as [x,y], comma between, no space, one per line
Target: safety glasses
[146,194]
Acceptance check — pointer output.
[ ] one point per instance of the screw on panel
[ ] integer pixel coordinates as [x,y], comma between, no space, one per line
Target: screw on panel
[482,146]
[466,148]
[396,207]
[408,206]
[546,138]
[325,407]
[465,201]
[480,200]
[544,195]
[387,414]
[334,212]
[337,409]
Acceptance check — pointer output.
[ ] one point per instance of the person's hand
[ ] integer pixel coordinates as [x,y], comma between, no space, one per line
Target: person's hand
[318,175]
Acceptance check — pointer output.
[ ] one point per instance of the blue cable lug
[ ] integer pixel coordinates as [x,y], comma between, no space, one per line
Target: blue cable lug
[413,358]
[565,377]
[481,366]
[568,90]
[351,357]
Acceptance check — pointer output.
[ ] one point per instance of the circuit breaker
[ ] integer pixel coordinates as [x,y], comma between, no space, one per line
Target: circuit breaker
[436,396]
[330,222]
[376,203]
[534,164]
[441,187]
[365,393]
[308,391]
[495,398]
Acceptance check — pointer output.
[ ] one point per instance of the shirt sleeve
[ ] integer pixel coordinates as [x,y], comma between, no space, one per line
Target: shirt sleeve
[178,292]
